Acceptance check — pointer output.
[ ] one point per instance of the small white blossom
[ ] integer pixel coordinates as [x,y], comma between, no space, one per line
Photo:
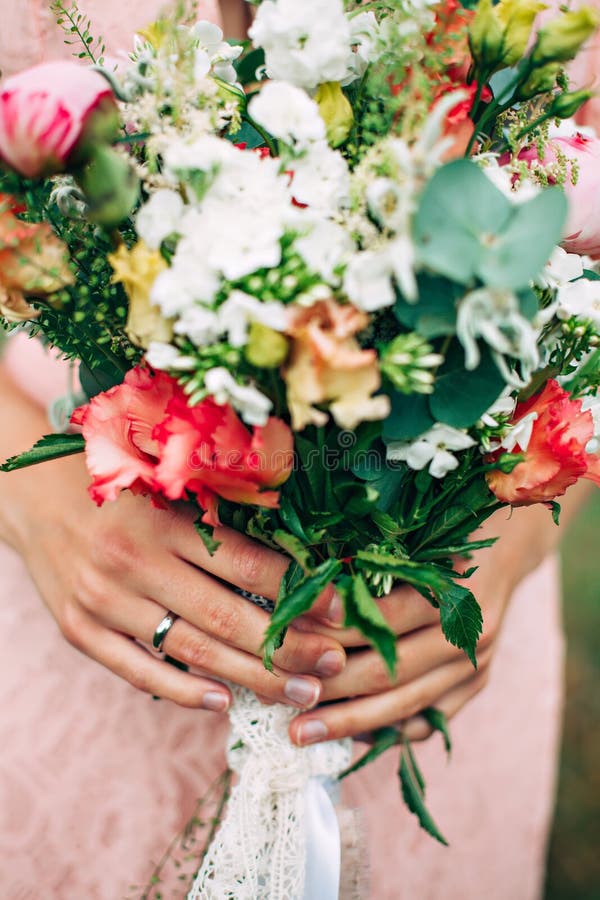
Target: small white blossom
[306,43]
[494,316]
[401,253]
[325,248]
[592,403]
[518,189]
[519,434]
[159,217]
[435,449]
[214,53]
[252,405]
[368,280]
[165,356]
[288,113]
[561,268]
[364,38]
[580,298]
[240,310]
[389,204]
[199,324]
[503,406]
[321,179]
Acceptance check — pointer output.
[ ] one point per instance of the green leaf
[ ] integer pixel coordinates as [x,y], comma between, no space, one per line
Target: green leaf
[387,478]
[434,314]
[410,416]
[461,618]
[413,792]
[294,547]
[362,612]
[52,446]
[384,739]
[556,511]
[99,379]
[206,534]
[460,397]
[248,135]
[438,721]
[297,602]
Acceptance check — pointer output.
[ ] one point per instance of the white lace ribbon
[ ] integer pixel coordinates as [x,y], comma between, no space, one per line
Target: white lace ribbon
[280,837]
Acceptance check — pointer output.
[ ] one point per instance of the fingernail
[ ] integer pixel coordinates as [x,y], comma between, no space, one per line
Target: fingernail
[215,701]
[302,692]
[311,732]
[331,663]
[335,613]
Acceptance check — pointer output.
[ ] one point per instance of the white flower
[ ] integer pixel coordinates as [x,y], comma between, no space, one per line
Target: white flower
[199,324]
[159,217]
[252,405]
[214,53]
[520,433]
[240,310]
[503,406]
[364,35]
[433,449]
[207,154]
[306,42]
[389,204]
[580,298]
[321,179]
[592,403]
[494,316]
[401,254]
[165,356]
[326,248]
[368,280]
[186,282]
[288,113]
[561,268]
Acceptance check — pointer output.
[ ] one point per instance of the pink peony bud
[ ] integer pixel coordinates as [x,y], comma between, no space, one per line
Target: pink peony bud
[583,225]
[47,114]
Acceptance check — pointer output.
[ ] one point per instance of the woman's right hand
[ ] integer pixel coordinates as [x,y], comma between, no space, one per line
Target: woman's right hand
[109,576]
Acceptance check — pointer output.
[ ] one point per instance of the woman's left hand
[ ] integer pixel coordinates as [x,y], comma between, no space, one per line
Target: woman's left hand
[430,671]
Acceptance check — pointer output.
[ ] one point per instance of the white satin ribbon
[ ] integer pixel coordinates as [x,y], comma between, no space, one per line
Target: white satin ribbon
[323,843]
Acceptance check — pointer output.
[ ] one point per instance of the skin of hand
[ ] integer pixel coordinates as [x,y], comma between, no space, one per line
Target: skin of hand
[109,576]
[236,16]
[430,671]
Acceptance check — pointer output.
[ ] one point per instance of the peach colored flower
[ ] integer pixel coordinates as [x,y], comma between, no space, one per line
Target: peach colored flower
[137,269]
[33,263]
[328,366]
[48,111]
[555,457]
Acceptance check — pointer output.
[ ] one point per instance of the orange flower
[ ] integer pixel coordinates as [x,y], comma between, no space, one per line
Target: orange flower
[33,263]
[328,366]
[556,455]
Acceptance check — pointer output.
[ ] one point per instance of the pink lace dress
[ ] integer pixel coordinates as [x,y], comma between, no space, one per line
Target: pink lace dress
[96,778]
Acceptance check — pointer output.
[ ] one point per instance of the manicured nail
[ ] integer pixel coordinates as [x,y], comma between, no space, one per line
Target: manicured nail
[215,701]
[302,692]
[331,663]
[336,613]
[311,732]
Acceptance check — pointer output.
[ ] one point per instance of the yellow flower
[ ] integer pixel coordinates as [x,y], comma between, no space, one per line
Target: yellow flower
[155,33]
[266,348]
[498,35]
[561,39]
[336,112]
[137,269]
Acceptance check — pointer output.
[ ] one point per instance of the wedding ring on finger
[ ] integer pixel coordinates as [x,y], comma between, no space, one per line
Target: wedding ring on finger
[162,630]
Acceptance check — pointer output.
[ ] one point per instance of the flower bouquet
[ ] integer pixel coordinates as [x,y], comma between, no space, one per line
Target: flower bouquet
[336,288]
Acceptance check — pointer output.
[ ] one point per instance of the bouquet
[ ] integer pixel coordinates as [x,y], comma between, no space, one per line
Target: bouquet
[335,287]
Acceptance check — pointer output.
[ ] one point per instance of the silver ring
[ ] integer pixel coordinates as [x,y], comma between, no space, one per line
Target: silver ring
[164,627]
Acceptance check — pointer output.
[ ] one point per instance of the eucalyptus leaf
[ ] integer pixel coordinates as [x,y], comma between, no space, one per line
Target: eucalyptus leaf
[460,396]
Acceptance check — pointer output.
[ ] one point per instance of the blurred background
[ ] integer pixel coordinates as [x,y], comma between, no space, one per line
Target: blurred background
[574,856]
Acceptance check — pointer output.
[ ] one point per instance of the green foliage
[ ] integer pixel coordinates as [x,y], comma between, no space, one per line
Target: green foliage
[205,532]
[52,446]
[77,28]
[383,739]
[362,612]
[438,721]
[466,229]
[413,792]
[461,397]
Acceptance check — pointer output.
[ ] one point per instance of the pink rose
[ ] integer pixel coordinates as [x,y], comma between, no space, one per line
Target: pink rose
[556,455]
[48,112]
[583,224]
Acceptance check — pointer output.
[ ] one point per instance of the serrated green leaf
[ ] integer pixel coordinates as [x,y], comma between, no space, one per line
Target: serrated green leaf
[412,785]
[296,603]
[461,618]
[206,532]
[52,446]
[294,547]
[362,612]
[383,739]
[438,721]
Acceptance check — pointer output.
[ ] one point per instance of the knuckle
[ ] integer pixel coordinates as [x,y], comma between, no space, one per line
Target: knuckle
[72,626]
[196,651]
[137,676]
[91,591]
[248,564]
[118,552]
[223,621]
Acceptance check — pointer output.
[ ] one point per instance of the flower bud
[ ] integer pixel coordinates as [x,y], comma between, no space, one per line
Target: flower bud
[110,186]
[564,106]
[517,17]
[540,81]
[561,39]
[336,112]
[266,348]
[486,34]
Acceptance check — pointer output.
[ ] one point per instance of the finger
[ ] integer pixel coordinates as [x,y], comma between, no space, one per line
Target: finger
[139,618]
[147,673]
[367,673]
[418,729]
[216,610]
[355,717]
[404,609]
[239,560]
